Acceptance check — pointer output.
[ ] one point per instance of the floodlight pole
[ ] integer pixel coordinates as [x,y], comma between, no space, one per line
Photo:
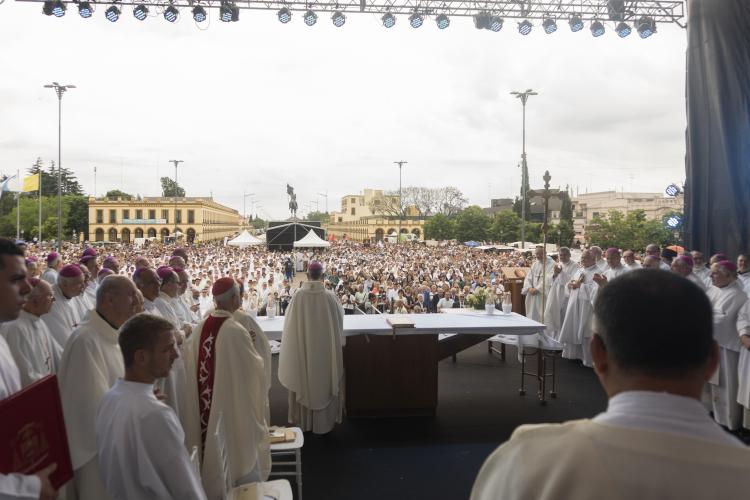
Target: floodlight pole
[400,202]
[326,197]
[59,90]
[244,210]
[524,96]
[176,162]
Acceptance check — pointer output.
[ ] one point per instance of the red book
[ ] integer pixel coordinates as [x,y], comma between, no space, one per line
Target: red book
[32,434]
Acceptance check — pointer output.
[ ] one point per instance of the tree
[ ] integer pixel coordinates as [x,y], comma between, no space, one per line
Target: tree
[116,193]
[632,231]
[69,183]
[439,227]
[78,216]
[505,227]
[471,224]
[169,188]
[318,216]
[561,234]
[388,205]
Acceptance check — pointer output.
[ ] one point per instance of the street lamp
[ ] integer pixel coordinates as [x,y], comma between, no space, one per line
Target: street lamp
[400,202]
[244,210]
[176,162]
[59,90]
[524,96]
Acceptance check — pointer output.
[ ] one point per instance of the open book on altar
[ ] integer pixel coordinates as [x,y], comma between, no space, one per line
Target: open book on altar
[32,434]
[400,322]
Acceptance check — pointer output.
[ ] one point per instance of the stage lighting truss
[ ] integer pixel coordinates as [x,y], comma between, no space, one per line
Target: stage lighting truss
[641,16]
[338,19]
[140,12]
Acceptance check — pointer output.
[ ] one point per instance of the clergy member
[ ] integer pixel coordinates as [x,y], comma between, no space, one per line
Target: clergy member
[655,441]
[536,286]
[727,297]
[554,313]
[683,265]
[90,365]
[36,353]
[64,316]
[743,388]
[576,328]
[89,261]
[311,364]
[54,263]
[13,290]
[699,267]
[140,440]
[262,345]
[225,376]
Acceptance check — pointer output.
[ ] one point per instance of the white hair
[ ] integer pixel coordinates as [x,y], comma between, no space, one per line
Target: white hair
[226,297]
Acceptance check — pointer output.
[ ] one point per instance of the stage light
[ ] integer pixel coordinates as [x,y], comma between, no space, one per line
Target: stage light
[673,222]
[482,21]
[228,12]
[597,28]
[171,13]
[47,8]
[646,27]
[112,13]
[310,18]
[85,10]
[549,25]
[389,20]
[416,20]
[199,14]
[284,15]
[338,18]
[672,190]
[442,21]
[524,27]
[623,29]
[140,12]
[576,23]
[496,23]
[58,8]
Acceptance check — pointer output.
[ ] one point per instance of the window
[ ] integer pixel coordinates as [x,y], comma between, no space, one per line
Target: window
[178,216]
[354,200]
[341,219]
[594,214]
[100,218]
[139,214]
[126,214]
[165,216]
[152,214]
[353,210]
[191,216]
[113,216]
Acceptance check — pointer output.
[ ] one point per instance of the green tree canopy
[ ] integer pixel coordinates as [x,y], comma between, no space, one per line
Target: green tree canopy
[170,188]
[632,231]
[439,227]
[472,224]
[505,226]
[318,216]
[116,193]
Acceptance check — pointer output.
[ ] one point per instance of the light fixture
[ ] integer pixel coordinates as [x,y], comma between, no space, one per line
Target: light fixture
[47,8]
[416,20]
[672,190]
[496,23]
[85,10]
[228,12]
[58,8]
[549,25]
[171,13]
[482,20]
[310,17]
[576,23]
[199,14]
[389,20]
[284,15]
[673,222]
[442,21]
[140,12]
[597,28]
[338,18]
[646,27]
[112,13]
[524,27]
[623,29]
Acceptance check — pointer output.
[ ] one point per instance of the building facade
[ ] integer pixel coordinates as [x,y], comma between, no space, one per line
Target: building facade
[123,220]
[589,205]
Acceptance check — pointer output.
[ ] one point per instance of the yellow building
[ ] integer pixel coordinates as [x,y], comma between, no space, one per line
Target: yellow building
[372,216]
[198,219]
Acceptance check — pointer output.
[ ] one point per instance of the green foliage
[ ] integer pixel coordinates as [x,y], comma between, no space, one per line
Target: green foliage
[258,223]
[318,216]
[472,224]
[78,216]
[74,212]
[505,226]
[566,211]
[632,231]
[69,183]
[439,227]
[116,193]
[561,234]
[170,188]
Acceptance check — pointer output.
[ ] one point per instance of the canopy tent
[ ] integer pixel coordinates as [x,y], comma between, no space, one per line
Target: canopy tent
[244,239]
[472,244]
[311,240]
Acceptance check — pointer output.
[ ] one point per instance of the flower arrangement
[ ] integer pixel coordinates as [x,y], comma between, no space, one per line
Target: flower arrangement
[479,297]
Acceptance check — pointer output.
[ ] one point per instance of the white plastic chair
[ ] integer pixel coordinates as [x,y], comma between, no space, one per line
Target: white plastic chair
[293,450]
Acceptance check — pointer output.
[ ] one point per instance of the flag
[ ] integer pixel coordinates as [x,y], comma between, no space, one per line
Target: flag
[31,183]
[5,184]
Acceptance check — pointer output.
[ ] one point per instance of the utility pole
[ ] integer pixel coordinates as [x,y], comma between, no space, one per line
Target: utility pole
[400,201]
[59,90]
[524,96]
[176,162]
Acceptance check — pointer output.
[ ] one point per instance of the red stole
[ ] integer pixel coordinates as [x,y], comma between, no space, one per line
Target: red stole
[206,366]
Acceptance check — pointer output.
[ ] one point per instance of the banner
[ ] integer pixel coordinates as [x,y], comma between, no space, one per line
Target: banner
[5,185]
[31,183]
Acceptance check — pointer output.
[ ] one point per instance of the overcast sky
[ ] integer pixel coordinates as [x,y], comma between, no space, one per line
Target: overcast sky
[252,105]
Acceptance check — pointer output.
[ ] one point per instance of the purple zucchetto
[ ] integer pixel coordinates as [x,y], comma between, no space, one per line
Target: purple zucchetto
[164,272]
[70,271]
[728,265]
[89,251]
[52,257]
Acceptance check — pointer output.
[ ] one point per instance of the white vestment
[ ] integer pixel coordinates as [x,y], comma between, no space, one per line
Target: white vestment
[634,266]
[613,272]
[50,276]
[14,486]
[700,283]
[90,293]
[311,362]
[90,365]
[703,273]
[63,318]
[239,393]
[263,346]
[726,303]
[743,370]
[83,304]
[576,330]
[554,312]
[534,280]
[34,350]
[142,454]
[173,385]
[641,453]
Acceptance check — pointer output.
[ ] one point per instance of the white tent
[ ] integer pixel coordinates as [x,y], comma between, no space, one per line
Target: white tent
[311,240]
[244,239]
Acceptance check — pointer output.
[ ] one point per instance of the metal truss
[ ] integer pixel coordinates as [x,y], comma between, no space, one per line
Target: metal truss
[661,11]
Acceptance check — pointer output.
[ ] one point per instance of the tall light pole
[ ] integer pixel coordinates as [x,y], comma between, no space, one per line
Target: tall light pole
[524,96]
[400,202]
[59,90]
[176,162]
[244,210]
[326,197]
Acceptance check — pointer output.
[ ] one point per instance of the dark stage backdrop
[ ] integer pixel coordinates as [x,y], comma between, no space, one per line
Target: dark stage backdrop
[717,190]
[280,234]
